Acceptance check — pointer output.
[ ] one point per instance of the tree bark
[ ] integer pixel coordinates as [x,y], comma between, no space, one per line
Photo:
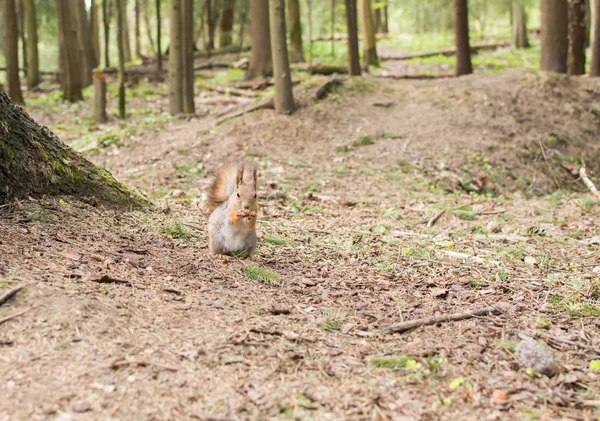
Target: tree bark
[175,58]
[595,65]
[159,56]
[212,16]
[225,37]
[461,30]
[33,63]
[33,161]
[284,98]
[588,23]
[369,46]
[577,31]
[519,23]
[295,28]
[555,35]
[21,29]
[99,97]
[11,51]
[121,50]
[84,35]
[353,57]
[69,51]
[188,56]
[148,26]
[125,40]
[95,32]
[261,64]
[332,28]
[138,33]
[106,22]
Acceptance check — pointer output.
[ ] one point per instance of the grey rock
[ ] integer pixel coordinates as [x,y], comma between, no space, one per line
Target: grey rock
[533,354]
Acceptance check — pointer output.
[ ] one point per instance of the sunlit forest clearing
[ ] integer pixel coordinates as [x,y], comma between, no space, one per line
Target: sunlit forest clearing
[427,229]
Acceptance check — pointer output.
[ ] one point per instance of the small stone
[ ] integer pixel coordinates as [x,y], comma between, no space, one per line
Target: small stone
[493,227]
[177,193]
[81,406]
[180,382]
[499,396]
[532,354]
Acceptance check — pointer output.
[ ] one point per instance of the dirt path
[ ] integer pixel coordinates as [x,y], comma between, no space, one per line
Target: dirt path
[348,188]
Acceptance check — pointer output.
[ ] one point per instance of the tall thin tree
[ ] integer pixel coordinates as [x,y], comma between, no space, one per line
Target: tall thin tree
[94,22]
[284,97]
[175,58]
[595,64]
[519,23]
[555,35]
[295,28]
[33,63]
[187,49]
[577,37]
[159,56]
[106,23]
[120,47]
[461,31]
[369,45]
[261,64]
[225,38]
[11,51]
[351,23]
[70,58]
[84,35]
[138,31]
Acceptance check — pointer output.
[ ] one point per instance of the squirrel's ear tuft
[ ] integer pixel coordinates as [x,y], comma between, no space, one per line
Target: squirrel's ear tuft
[240,174]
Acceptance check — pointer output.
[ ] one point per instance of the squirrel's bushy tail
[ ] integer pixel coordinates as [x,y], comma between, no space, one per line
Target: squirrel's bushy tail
[224,185]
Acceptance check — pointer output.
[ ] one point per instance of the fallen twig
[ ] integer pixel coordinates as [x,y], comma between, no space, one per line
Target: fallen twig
[12,316]
[106,279]
[588,183]
[10,293]
[268,104]
[232,91]
[435,217]
[445,52]
[210,66]
[122,363]
[427,321]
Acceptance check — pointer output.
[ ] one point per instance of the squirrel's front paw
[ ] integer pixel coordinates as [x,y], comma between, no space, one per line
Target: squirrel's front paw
[220,257]
[243,213]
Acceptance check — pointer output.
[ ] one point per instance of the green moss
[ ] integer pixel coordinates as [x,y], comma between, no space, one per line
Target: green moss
[390,361]
[262,275]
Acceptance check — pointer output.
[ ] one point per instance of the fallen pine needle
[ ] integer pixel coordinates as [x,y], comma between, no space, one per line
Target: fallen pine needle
[435,218]
[588,183]
[12,316]
[10,293]
[427,321]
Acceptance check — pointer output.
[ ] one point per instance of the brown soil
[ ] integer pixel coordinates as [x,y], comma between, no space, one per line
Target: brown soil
[171,334]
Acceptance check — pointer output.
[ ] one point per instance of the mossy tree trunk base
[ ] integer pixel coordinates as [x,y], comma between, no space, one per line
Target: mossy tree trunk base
[33,161]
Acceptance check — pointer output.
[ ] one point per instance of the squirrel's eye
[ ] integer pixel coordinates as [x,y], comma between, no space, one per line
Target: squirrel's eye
[238,195]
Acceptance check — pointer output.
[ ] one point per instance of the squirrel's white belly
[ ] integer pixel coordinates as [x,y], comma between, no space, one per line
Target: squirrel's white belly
[230,239]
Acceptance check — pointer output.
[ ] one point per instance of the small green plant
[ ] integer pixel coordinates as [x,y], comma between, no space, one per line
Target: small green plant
[262,275]
[390,361]
[274,239]
[465,212]
[333,320]
[379,228]
[42,216]
[364,140]
[343,148]
[176,229]
[509,345]
[595,365]
[312,186]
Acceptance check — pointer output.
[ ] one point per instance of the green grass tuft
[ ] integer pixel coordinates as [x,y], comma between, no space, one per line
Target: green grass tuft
[176,229]
[390,361]
[262,275]
[274,239]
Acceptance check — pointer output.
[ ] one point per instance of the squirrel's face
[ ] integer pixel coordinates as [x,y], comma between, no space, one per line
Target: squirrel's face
[246,196]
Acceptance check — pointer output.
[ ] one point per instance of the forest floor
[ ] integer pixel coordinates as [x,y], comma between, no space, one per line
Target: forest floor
[127,317]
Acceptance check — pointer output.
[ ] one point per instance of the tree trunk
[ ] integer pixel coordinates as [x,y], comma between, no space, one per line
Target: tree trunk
[386,28]
[188,56]
[595,65]
[225,38]
[125,40]
[148,26]
[21,29]
[159,56]
[33,161]
[520,38]
[555,35]
[69,52]
[121,49]
[261,64]
[378,20]
[295,28]
[461,30]
[175,58]
[84,36]
[95,32]
[332,28]
[212,16]
[106,22]
[33,64]
[99,97]
[353,58]
[577,31]
[138,45]
[588,23]
[11,52]
[369,46]
[284,98]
